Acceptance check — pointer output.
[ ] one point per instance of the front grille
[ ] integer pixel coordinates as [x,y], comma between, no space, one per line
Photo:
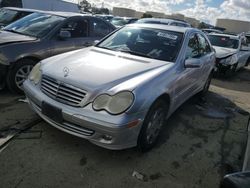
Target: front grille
[62,92]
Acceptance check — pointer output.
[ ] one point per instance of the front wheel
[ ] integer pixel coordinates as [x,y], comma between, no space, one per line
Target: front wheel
[18,74]
[152,125]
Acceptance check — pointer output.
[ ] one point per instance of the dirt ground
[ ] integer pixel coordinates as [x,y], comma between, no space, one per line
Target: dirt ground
[201,142]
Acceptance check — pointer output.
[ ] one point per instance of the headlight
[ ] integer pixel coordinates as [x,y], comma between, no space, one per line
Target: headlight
[36,74]
[115,104]
[230,60]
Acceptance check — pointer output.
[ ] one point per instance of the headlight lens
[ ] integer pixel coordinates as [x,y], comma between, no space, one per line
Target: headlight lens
[115,104]
[230,60]
[36,74]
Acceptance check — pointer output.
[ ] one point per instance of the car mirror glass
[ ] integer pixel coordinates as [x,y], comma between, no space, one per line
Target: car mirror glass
[192,63]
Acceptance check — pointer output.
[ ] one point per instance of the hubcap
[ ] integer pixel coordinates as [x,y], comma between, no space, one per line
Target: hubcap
[154,125]
[22,74]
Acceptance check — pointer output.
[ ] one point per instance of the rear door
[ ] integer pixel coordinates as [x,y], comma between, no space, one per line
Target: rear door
[207,57]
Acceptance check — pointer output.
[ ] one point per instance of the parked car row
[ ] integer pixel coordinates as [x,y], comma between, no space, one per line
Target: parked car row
[117,92]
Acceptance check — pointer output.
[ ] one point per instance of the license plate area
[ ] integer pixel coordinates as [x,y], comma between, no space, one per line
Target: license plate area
[52,112]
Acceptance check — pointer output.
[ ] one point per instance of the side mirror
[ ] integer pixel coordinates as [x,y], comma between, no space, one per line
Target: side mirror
[236,180]
[192,63]
[64,34]
[96,42]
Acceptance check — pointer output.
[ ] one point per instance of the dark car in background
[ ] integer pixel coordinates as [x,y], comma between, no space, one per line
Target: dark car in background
[40,35]
[105,17]
[11,14]
[121,21]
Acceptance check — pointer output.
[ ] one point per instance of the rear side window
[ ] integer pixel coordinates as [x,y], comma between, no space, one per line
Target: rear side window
[100,28]
[77,28]
[193,48]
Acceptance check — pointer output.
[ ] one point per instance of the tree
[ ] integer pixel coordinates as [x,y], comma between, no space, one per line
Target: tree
[145,15]
[202,25]
[84,5]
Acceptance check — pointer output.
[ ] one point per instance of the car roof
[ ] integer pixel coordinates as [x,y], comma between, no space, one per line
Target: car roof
[225,35]
[163,20]
[22,9]
[57,13]
[124,18]
[164,27]
[66,14]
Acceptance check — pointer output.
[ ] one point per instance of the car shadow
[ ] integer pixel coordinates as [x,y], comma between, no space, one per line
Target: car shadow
[235,82]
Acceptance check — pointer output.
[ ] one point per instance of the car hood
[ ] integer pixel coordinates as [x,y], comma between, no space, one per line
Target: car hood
[95,69]
[9,37]
[224,52]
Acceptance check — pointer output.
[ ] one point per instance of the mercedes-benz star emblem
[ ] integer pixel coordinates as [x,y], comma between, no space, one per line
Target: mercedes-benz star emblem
[66,71]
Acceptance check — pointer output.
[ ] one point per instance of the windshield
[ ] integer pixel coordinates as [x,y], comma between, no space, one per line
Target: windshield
[36,24]
[151,43]
[6,16]
[119,22]
[223,41]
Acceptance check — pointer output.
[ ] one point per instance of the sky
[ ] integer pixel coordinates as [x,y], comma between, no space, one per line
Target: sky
[204,10]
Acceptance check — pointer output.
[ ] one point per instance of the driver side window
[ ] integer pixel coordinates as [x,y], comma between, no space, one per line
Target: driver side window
[193,48]
[77,28]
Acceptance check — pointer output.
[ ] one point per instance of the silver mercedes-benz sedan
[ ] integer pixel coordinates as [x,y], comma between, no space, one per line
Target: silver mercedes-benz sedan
[118,93]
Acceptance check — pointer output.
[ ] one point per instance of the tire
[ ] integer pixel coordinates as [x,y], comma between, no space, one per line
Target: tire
[17,75]
[152,125]
[207,85]
[248,62]
[231,71]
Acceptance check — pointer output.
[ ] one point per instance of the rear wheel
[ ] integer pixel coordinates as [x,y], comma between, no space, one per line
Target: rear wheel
[18,74]
[152,125]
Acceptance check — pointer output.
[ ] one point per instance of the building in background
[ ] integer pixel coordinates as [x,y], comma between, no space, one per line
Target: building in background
[192,21]
[139,14]
[176,16]
[124,12]
[49,5]
[156,14]
[234,26]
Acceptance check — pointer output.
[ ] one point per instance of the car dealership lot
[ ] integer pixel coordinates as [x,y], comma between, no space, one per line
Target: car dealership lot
[201,142]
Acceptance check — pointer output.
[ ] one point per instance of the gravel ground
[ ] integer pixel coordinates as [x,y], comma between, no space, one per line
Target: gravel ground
[201,142]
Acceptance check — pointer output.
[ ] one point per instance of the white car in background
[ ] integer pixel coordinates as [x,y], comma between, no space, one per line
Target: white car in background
[231,52]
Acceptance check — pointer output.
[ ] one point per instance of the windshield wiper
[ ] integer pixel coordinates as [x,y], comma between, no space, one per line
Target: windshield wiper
[134,53]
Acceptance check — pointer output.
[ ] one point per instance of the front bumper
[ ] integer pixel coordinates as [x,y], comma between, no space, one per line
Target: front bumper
[222,68]
[100,128]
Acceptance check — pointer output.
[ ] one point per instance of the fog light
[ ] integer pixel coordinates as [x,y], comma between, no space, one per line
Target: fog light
[107,137]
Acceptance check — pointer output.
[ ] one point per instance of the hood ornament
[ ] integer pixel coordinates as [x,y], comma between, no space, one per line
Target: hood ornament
[66,71]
